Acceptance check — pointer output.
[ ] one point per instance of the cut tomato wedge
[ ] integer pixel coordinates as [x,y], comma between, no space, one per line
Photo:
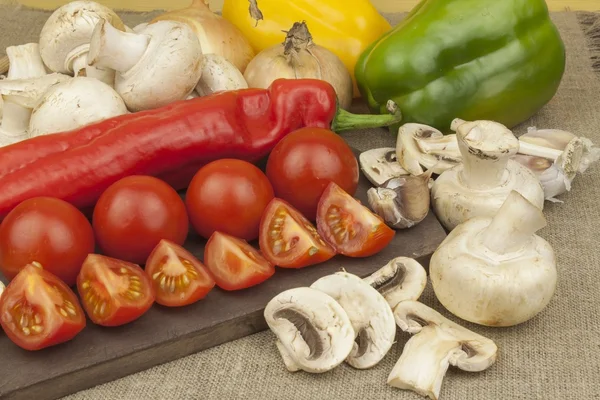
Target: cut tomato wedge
[351,228]
[234,264]
[38,310]
[289,240]
[113,292]
[177,276]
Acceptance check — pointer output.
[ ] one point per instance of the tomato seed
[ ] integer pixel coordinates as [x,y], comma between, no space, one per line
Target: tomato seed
[63,312]
[37,318]
[26,331]
[24,320]
[85,285]
[172,285]
[156,275]
[185,281]
[37,328]
[102,308]
[123,270]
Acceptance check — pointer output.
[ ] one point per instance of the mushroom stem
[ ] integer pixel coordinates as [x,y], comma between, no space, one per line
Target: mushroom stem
[486,147]
[512,228]
[113,49]
[25,61]
[424,362]
[15,118]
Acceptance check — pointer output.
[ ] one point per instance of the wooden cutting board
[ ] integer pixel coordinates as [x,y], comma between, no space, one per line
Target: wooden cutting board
[98,355]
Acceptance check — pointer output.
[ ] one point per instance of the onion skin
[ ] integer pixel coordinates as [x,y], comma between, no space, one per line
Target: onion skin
[216,34]
[298,58]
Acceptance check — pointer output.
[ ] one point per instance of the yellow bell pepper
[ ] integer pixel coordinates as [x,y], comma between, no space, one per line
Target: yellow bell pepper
[345,27]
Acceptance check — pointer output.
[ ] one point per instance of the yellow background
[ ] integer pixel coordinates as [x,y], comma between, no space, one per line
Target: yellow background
[382,5]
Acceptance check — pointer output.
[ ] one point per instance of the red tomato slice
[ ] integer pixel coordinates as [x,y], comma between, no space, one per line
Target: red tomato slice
[113,292]
[351,228]
[234,264]
[289,240]
[177,276]
[38,310]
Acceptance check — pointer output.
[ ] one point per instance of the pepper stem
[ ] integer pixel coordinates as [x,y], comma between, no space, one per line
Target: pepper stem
[345,120]
[514,225]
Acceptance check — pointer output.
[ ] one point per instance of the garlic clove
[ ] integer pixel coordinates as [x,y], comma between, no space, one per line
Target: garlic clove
[402,202]
[219,75]
[380,165]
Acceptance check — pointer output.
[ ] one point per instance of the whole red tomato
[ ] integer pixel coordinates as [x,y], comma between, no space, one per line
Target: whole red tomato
[302,165]
[48,231]
[228,196]
[134,214]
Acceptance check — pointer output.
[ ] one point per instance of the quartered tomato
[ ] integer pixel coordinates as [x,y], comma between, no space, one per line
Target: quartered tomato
[234,264]
[289,240]
[113,292]
[351,228]
[38,310]
[178,277]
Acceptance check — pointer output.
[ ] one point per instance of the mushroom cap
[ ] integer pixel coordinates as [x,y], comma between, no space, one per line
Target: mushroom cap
[167,72]
[67,32]
[401,279]
[218,75]
[503,290]
[454,203]
[312,327]
[74,103]
[28,92]
[369,312]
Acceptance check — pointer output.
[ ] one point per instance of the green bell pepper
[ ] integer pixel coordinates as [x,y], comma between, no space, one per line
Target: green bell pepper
[499,60]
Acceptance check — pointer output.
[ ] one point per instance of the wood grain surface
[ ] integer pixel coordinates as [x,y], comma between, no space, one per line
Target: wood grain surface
[382,5]
[98,355]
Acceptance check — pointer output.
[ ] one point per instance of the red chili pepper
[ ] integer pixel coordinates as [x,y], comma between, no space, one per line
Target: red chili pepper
[170,142]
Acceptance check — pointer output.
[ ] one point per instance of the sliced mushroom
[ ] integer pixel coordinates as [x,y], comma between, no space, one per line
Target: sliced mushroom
[399,280]
[402,202]
[314,332]
[369,312]
[381,165]
[437,343]
[413,159]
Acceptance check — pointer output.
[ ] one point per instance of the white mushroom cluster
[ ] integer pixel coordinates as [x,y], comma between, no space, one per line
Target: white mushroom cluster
[88,66]
[343,318]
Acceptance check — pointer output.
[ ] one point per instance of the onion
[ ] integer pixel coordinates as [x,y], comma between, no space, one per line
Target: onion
[298,57]
[216,34]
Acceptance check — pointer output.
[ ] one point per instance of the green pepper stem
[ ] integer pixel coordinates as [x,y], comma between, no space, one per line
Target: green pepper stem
[345,120]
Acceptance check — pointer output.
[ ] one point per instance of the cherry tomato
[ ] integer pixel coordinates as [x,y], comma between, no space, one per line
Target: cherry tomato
[234,264]
[134,214]
[228,196]
[178,277]
[351,228]
[289,240]
[38,310]
[113,292]
[304,162]
[49,231]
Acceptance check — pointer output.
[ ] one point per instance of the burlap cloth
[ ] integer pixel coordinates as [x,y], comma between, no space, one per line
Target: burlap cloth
[555,356]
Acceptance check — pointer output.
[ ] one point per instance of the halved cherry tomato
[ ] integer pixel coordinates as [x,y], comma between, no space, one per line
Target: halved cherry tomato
[234,264]
[289,240]
[351,228]
[178,277]
[38,310]
[113,292]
